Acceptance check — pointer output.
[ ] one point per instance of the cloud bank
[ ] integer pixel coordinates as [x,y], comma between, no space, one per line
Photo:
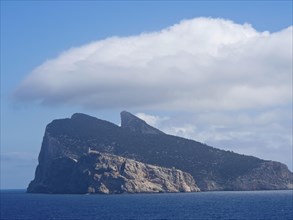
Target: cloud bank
[198,64]
[229,85]
[266,134]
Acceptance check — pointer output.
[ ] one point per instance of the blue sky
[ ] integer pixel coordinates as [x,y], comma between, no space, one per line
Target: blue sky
[35,32]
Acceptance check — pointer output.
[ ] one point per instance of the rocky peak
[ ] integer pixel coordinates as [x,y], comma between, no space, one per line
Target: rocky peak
[135,124]
[82,117]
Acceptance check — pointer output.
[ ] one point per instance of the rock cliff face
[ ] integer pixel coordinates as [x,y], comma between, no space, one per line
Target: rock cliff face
[67,141]
[96,172]
[269,174]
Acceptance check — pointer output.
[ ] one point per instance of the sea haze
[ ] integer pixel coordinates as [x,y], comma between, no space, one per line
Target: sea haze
[16,204]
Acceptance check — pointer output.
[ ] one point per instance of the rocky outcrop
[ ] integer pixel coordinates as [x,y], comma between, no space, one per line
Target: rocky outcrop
[66,141]
[96,172]
[269,175]
[134,124]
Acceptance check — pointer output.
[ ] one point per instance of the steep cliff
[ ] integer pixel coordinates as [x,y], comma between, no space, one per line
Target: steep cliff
[269,175]
[96,172]
[213,169]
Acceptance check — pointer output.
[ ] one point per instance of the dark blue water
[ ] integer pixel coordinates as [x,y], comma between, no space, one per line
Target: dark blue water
[16,204]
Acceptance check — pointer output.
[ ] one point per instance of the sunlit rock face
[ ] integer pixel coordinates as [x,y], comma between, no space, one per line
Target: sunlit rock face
[75,150]
[104,173]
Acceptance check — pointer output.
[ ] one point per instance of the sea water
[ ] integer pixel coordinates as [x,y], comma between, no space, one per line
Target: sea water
[16,204]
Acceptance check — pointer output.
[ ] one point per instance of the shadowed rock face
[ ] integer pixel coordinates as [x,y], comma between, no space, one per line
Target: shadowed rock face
[134,124]
[96,172]
[269,174]
[67,141]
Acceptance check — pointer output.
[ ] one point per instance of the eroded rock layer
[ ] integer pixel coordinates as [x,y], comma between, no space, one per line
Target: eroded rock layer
[96,172]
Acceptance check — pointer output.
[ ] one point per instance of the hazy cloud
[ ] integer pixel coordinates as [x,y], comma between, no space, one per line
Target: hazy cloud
[18,156]
[202,63]
[266,134]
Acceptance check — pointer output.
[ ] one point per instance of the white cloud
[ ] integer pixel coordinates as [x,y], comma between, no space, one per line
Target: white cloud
[151,119]
[202,63]
[232,83]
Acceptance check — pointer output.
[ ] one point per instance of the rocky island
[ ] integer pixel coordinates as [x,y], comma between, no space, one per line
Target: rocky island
[83,154]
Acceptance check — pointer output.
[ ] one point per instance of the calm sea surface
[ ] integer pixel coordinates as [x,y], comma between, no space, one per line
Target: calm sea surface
[16,204]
